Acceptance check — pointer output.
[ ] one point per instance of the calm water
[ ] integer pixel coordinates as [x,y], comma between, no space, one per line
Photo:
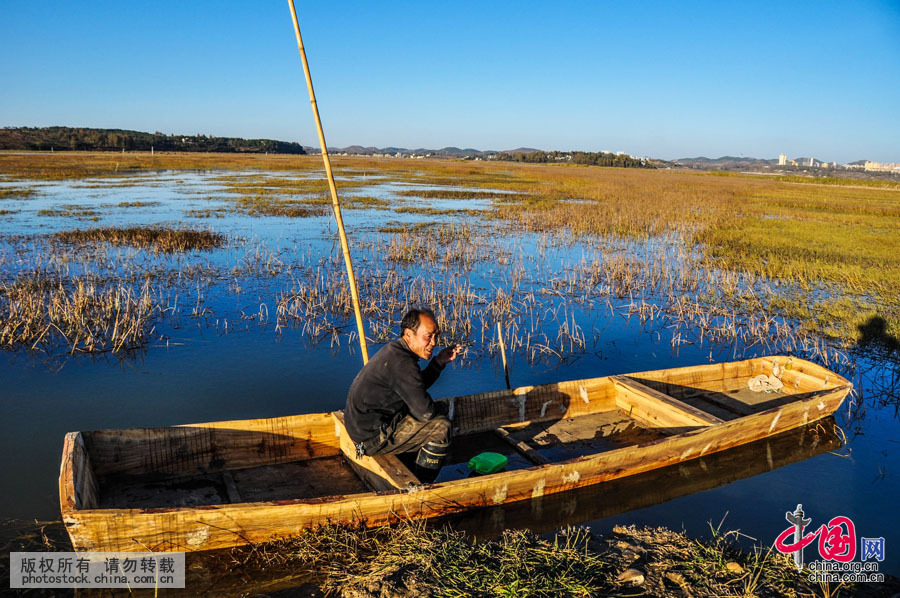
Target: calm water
[198,369]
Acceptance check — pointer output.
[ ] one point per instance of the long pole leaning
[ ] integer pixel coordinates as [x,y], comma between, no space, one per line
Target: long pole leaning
[335,204]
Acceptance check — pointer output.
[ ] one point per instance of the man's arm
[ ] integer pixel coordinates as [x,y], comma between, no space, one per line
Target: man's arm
[436,365]
[432,372]
[410,384]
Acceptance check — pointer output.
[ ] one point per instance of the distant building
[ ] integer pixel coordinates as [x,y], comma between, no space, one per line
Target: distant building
[812,161]
[881,167]
[782,160]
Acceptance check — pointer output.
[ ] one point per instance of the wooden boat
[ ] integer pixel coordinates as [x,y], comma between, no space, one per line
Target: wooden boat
[221,484]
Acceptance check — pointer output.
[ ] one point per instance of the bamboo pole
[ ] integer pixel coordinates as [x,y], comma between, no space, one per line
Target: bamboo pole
[335,204]
[503,355]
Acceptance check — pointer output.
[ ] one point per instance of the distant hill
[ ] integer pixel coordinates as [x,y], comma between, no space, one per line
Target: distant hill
[521,150]
[359,150]
[81,138]
[724,162]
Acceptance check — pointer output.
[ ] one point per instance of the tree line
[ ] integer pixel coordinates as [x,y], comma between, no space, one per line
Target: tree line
[591,158]
[87,139]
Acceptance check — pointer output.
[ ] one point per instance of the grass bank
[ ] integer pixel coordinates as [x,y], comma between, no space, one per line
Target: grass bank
[414,560]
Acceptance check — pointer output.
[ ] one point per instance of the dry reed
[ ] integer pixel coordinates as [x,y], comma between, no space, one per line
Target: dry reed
[155,238]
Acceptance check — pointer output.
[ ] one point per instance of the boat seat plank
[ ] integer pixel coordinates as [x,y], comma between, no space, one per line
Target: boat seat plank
[657,408]
[382,472]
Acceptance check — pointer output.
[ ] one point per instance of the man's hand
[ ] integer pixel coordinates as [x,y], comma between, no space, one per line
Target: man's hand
[448,354]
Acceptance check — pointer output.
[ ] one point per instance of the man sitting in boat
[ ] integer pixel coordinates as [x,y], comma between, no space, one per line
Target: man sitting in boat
[388,409]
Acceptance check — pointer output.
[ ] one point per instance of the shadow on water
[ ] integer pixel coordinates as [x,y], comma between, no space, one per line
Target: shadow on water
[874,335]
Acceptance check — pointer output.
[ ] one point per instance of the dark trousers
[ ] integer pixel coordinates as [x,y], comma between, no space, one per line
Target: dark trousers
[409,434]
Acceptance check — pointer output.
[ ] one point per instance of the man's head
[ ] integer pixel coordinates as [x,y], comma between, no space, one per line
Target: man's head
[420,330]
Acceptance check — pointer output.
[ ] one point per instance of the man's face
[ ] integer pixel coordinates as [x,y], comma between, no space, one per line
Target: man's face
[422,341]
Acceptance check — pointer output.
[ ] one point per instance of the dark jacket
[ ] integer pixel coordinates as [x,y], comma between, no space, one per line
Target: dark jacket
[389,385]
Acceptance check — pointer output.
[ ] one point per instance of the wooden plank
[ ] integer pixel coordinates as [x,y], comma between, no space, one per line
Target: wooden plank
[313,478]
[78,487]
[66,482]
[728,403]
[382,472]
[522,448]
[659,409]
[231,488]
[211,446]
[86,487]
[486,411]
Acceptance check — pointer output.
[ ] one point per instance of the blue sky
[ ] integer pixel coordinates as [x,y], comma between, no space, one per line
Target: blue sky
[664,79]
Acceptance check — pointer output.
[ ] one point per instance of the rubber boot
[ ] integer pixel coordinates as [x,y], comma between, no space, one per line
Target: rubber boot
[429,461]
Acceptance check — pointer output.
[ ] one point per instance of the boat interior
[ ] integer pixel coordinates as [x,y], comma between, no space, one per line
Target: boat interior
[310,457]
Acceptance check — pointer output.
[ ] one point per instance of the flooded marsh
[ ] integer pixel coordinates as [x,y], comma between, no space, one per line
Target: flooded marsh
[141,290]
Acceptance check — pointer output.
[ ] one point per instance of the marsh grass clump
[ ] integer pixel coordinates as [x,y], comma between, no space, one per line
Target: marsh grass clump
[395,226]
[448,194]
[79,212]
[154,238]
[360,202]
[17,192]
[39,313]
[267,205]
[435,211]
[443,243]
[207,213]
[137,204]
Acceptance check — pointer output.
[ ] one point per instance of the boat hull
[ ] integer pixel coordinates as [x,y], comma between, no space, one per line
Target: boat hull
[216,526]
